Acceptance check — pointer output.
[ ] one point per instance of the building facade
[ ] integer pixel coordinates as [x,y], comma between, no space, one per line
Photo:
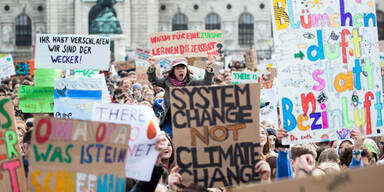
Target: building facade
[245,24]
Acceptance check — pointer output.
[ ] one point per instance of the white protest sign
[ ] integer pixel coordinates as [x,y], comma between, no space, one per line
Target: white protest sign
[7,68]
[198,73]
[164,64]
[72,51]
[268,106]
[75,97]
[144,132]
[141,58]
[328,69]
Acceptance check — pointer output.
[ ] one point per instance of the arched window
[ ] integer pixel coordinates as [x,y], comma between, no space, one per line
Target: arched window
[380,24]
[246,29]
[179,22]
[23,30]
[212,21]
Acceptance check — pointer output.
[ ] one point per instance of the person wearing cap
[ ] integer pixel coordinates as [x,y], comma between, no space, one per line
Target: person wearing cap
[178,76]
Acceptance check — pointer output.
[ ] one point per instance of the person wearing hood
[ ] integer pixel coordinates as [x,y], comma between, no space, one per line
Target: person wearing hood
[178,76]
[342,144]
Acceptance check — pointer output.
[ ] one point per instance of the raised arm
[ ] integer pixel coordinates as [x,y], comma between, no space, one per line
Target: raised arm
[151,73]
[209,74]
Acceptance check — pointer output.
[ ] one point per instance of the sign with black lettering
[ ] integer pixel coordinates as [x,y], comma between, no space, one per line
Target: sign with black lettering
[72,51]
[216,133]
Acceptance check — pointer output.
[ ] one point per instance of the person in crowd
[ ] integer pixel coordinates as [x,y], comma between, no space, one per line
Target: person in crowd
[272,139]
[148,96]
[178,76]
[341,144]
[264,142]
[228,79]
[136,89]
[372,148]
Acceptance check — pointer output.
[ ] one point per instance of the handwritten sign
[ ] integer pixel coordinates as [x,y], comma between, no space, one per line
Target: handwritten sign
[355,180]
[88,73]
[141,58]
[7,68]
[145,129]
[267,84]
[36,99]
[216,133]
[11,162]
[46,77]
[186,43]
[328,71]
[74,155]
[164,64]
[75,97]
[245,77]
[72,51]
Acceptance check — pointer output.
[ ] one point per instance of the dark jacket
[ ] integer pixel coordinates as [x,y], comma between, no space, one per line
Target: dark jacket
[165,83]
[142,186]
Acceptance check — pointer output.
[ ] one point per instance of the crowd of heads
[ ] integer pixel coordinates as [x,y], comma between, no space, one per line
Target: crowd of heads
[305,159]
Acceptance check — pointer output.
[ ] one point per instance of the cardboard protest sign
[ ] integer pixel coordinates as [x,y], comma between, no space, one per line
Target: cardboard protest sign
[11,162]
[74,155]
[72,51]
[141,75]
[216,133]
[353,180]
[75,97]
[251,59]
[34,99]
[268,106]
[46,77]
[145,130]
[186,43]
[7,68]
[245,77]
[328,71]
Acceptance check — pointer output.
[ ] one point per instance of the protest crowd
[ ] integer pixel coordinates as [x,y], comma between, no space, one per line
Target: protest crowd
[277,161]
[188,127]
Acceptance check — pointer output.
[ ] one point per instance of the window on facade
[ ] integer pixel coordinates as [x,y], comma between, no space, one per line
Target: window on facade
[23,31]
[246,29]
[380,24]
[212,21]
[179,22]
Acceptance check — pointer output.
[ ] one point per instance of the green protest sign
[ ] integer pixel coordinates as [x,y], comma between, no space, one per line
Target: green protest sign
[46,77]
[34,99]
